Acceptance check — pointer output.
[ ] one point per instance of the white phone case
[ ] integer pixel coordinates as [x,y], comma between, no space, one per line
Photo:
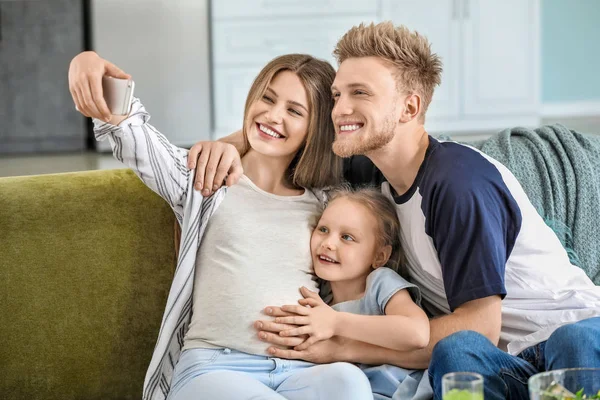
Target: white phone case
[118,94]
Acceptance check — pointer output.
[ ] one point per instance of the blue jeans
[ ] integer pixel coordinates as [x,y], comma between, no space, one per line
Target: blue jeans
[225,374]
[505,376]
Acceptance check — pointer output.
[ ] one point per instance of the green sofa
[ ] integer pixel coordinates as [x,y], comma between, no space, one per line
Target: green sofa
[86,261]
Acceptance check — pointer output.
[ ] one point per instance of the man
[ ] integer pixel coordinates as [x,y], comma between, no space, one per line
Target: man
[506,301]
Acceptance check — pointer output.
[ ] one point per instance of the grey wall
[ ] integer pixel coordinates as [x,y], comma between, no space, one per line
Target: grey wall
[38,40]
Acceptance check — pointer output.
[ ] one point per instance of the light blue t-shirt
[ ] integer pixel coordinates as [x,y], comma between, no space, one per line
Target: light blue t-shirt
[388,381]
[382,284]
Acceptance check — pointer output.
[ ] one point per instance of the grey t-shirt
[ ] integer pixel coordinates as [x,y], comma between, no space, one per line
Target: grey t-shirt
[255,253]
[382,284]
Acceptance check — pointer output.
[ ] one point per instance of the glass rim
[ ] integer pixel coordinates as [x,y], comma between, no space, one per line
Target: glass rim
[561,371]
[570,369]
[477,378]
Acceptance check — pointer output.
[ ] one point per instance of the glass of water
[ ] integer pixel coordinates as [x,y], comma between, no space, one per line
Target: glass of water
[565,384]
[462,386]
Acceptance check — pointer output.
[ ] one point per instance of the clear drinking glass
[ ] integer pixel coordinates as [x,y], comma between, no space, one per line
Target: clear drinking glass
[565,384]
[462,386]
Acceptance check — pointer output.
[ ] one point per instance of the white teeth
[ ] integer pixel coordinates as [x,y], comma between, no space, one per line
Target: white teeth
[327,259]
[269,131]
[349,127]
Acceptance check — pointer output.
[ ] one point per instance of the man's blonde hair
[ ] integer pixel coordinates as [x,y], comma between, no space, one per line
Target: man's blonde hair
[417,69]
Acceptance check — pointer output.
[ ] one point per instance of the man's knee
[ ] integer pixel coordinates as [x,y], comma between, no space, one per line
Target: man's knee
[461,351]
[575,336]
[458,346]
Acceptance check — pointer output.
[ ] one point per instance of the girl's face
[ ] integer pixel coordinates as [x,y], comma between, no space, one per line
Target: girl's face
[278,122]
[344,243]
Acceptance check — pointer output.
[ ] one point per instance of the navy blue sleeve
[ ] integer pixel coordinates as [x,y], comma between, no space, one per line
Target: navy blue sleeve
[474,221]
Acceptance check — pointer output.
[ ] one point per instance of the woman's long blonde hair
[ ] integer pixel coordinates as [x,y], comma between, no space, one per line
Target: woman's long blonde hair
[315,165]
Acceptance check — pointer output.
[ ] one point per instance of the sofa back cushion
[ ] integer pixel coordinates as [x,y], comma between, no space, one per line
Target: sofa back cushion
[86,261]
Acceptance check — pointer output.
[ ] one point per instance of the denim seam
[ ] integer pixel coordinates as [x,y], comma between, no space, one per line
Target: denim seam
[509,373]
[186,374]
[431,381]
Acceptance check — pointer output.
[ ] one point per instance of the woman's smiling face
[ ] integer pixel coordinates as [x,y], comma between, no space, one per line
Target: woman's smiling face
[278,122]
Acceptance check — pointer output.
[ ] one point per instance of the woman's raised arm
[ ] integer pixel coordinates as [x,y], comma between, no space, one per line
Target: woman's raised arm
[134,142]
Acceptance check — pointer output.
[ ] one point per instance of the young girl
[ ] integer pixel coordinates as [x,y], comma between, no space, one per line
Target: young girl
[243,247]
[356,250]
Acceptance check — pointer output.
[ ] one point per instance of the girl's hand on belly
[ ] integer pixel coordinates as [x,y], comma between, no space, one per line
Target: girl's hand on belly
[313,317]
[269,331]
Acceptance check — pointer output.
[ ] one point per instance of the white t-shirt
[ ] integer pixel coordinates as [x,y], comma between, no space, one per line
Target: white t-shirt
[469,231]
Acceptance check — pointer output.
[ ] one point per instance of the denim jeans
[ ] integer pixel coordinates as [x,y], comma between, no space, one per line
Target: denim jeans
[228,374]
[505,376]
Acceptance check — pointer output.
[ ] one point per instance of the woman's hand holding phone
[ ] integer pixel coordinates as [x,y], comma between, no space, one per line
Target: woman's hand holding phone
[85,84]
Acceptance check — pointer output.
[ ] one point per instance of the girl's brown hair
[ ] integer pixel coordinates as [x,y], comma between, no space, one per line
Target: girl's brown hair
[315,165]
[384,212]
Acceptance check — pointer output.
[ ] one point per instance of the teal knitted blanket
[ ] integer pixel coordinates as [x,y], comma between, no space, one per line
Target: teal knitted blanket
[559,170]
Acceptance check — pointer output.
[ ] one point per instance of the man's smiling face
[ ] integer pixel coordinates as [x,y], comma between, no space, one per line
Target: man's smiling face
[366,106]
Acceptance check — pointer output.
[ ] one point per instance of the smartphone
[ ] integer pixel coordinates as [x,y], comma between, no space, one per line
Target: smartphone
[118,94]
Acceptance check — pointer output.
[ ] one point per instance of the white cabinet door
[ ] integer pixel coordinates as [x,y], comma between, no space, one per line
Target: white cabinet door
[258,42]
[438,20]
[242,48]
[264,10]
[501,57]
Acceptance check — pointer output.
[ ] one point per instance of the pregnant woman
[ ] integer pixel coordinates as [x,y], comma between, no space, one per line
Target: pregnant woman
[245,246]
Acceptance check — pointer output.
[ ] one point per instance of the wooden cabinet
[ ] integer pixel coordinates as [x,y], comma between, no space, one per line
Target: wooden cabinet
[490,52]
[500,60]
[38,39]
[246,35]
[489,48]
[439,22]
[262,9]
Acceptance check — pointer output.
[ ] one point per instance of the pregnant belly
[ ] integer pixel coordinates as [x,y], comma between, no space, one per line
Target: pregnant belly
[225,318]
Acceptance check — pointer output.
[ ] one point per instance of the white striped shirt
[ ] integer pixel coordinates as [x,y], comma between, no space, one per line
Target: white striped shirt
[163,168]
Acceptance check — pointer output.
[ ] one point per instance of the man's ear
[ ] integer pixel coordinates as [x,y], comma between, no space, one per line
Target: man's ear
[382,256]
[412,108]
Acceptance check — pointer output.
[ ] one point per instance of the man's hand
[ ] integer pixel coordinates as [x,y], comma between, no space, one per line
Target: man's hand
[325,351]
[85,83]
[217,161]
[319,321]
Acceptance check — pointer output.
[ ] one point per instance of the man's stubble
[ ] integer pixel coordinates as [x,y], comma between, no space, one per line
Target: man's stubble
[374,138]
